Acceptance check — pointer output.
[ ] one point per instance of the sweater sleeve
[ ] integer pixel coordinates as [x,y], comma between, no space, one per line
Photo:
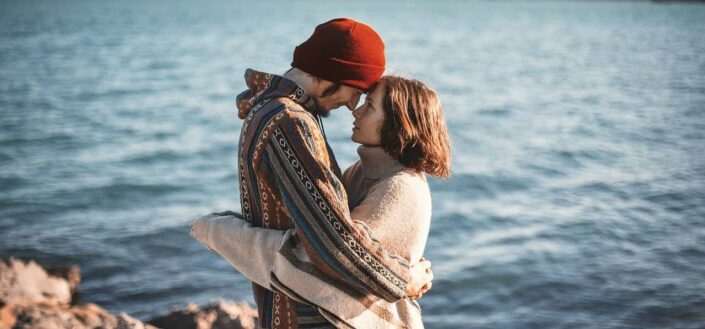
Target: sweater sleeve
[348,175]
[251,250]
[317,203]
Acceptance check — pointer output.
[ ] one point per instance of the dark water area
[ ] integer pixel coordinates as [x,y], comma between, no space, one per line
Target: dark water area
[578,194]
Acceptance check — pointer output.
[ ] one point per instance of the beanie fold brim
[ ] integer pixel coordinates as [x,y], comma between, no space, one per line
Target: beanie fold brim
[356,75]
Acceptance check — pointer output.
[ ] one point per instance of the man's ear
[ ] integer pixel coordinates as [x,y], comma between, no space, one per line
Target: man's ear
[315,85]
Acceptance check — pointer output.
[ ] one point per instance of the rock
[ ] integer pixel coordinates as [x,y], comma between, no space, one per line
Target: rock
[40,315]
[7,317]
[48,315]
[217,315]
[125,321]
[71,274]
[45,315]
[34,298]
[189,317]
[93,316]
[23,282]
[233,315]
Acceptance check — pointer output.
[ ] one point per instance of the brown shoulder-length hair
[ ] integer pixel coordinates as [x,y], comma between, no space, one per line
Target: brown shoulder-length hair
[414,128]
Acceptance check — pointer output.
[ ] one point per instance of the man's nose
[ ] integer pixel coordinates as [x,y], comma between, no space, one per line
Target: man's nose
[353,103]
[356,112]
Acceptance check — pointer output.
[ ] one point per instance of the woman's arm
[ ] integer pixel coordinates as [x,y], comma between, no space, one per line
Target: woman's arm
[251,250]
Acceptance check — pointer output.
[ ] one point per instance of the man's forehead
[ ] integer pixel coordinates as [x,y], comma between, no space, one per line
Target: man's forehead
[353,90]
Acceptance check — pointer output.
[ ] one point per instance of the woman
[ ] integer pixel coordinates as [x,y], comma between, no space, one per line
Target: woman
[403,136]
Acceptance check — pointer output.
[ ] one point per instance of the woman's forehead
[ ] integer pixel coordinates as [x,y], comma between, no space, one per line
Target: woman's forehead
[379,88]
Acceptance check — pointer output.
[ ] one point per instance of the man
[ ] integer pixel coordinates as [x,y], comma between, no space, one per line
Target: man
[289,177]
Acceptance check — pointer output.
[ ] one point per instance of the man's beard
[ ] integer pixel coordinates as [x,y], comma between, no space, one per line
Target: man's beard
[319,110]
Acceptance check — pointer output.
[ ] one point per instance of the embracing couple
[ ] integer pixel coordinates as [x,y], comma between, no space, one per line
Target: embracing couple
[325,248]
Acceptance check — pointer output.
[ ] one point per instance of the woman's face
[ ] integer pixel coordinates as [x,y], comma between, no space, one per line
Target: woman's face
[369,117]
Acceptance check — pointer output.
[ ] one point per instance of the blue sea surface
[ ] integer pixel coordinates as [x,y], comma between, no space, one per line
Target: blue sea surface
[578,193]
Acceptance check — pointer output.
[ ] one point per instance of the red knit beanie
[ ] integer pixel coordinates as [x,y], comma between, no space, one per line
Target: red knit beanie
[343,51]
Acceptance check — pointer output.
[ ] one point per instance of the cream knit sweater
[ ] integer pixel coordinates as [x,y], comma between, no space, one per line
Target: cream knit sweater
[391,202]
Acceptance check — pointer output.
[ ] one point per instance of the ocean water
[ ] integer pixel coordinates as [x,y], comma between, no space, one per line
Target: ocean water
[578,194]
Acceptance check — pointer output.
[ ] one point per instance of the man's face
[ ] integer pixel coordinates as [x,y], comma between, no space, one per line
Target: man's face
[329,96]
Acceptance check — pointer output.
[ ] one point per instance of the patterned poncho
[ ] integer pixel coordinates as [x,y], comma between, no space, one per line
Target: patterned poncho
[289,179]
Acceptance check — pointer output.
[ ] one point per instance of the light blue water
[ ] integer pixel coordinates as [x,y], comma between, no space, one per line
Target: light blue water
[578,198]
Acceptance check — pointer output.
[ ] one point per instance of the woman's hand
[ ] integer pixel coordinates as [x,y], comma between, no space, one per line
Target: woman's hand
[421,277]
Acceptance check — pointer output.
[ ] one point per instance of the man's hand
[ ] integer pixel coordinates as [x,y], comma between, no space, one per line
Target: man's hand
[421,277]
[228,213]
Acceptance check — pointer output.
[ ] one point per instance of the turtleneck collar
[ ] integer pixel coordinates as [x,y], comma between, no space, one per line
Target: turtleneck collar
[376,163]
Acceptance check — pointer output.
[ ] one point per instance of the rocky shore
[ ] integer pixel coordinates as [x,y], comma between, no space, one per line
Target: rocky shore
[32,296]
